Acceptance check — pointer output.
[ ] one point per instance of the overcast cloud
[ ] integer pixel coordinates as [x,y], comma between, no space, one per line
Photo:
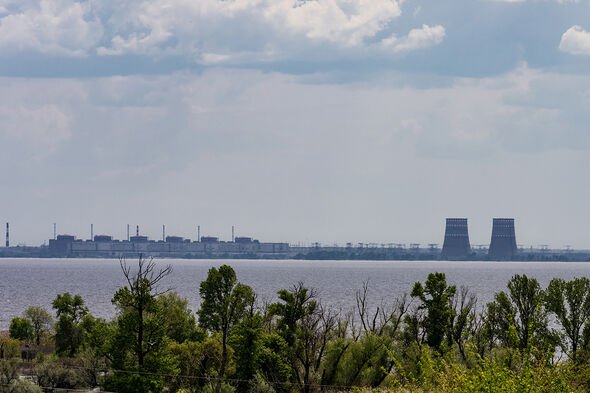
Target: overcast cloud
[326,120]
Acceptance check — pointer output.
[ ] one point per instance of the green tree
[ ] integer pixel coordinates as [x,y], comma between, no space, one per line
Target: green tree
[224,303]
[569,301]
[307,328]
[9,348]
[69,332]
[181,324]
[21,329]
[518,318]
[531,320]
[139,343]
[41,321]
[435,297]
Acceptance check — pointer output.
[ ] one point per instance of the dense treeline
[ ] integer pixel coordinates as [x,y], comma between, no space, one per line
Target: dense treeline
[435,339]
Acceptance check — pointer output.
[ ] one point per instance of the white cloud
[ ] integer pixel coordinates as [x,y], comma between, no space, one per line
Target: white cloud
[213,31]
[62,27]
[416,39]
[209,32]
[576,41]
[346,23]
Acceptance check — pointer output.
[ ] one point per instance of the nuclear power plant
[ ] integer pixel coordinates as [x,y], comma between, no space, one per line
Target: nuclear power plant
[503,244]
[456,244]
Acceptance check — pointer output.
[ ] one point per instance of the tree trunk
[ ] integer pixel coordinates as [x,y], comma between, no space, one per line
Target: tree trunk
[140,354]
[223,363]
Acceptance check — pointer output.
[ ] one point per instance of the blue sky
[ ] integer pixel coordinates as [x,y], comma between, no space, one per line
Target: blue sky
[299,121]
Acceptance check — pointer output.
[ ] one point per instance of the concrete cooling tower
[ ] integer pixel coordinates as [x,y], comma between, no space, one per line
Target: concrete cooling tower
[503,244]
[456,244]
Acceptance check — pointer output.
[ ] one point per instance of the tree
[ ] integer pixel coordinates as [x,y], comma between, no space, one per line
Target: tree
[180,321]
[306,327]
[518,318]
[569,301]
[435,297]
[224,303]
[139,342]
[21,329]
[69,332]
[463,318]
[531,320]
[41,321]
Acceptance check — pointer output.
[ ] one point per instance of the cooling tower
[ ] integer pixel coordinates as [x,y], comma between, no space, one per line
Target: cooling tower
[503,244]
[456,244]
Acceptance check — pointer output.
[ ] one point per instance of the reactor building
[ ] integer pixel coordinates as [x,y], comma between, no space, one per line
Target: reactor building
[503,244]
[101,246]
[456,244]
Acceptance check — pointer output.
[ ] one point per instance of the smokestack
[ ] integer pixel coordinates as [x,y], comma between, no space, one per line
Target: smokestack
[7,235]
[91,231]
[232,234]
[198,233]
[456,244]
[164,233]
[137,231]
[54,231]
[127,232]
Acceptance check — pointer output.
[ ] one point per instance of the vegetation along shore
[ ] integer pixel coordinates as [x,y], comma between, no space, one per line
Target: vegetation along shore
[437,338]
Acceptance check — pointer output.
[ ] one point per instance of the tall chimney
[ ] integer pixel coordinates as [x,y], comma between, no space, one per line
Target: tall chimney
[137,231]
[164,233]
[198,233]
[127,232]
[91,232]
[7,235]
[232,234]
[54,231]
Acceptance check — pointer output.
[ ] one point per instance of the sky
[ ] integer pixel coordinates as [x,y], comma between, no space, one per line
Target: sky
[296,120]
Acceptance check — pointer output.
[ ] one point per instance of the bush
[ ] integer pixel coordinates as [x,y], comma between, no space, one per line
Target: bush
[23,386]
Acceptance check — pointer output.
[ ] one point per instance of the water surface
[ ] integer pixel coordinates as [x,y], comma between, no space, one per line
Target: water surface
[25,282]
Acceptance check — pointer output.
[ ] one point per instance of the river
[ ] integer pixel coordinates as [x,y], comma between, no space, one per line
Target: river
[26,282]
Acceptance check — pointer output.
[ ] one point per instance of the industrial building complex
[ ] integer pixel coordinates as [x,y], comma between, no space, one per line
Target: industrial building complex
[456,246]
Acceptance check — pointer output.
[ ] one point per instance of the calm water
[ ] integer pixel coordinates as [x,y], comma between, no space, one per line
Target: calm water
[25,282]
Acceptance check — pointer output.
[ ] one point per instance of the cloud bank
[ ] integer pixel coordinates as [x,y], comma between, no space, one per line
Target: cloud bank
[208,31]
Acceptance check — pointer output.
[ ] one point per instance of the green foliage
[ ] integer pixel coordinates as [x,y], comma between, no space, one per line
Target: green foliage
[41,321]
[21,329]
[9,348]
[138,347]
[23,386]
[246,340]
[52,373]
[435,297]
[224,303]
[8,371]
[307,329]
[69,331]
[569,302]
[443,344]
[295,305]
[198,363]
[224,300]
[180,321]
[518,319]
